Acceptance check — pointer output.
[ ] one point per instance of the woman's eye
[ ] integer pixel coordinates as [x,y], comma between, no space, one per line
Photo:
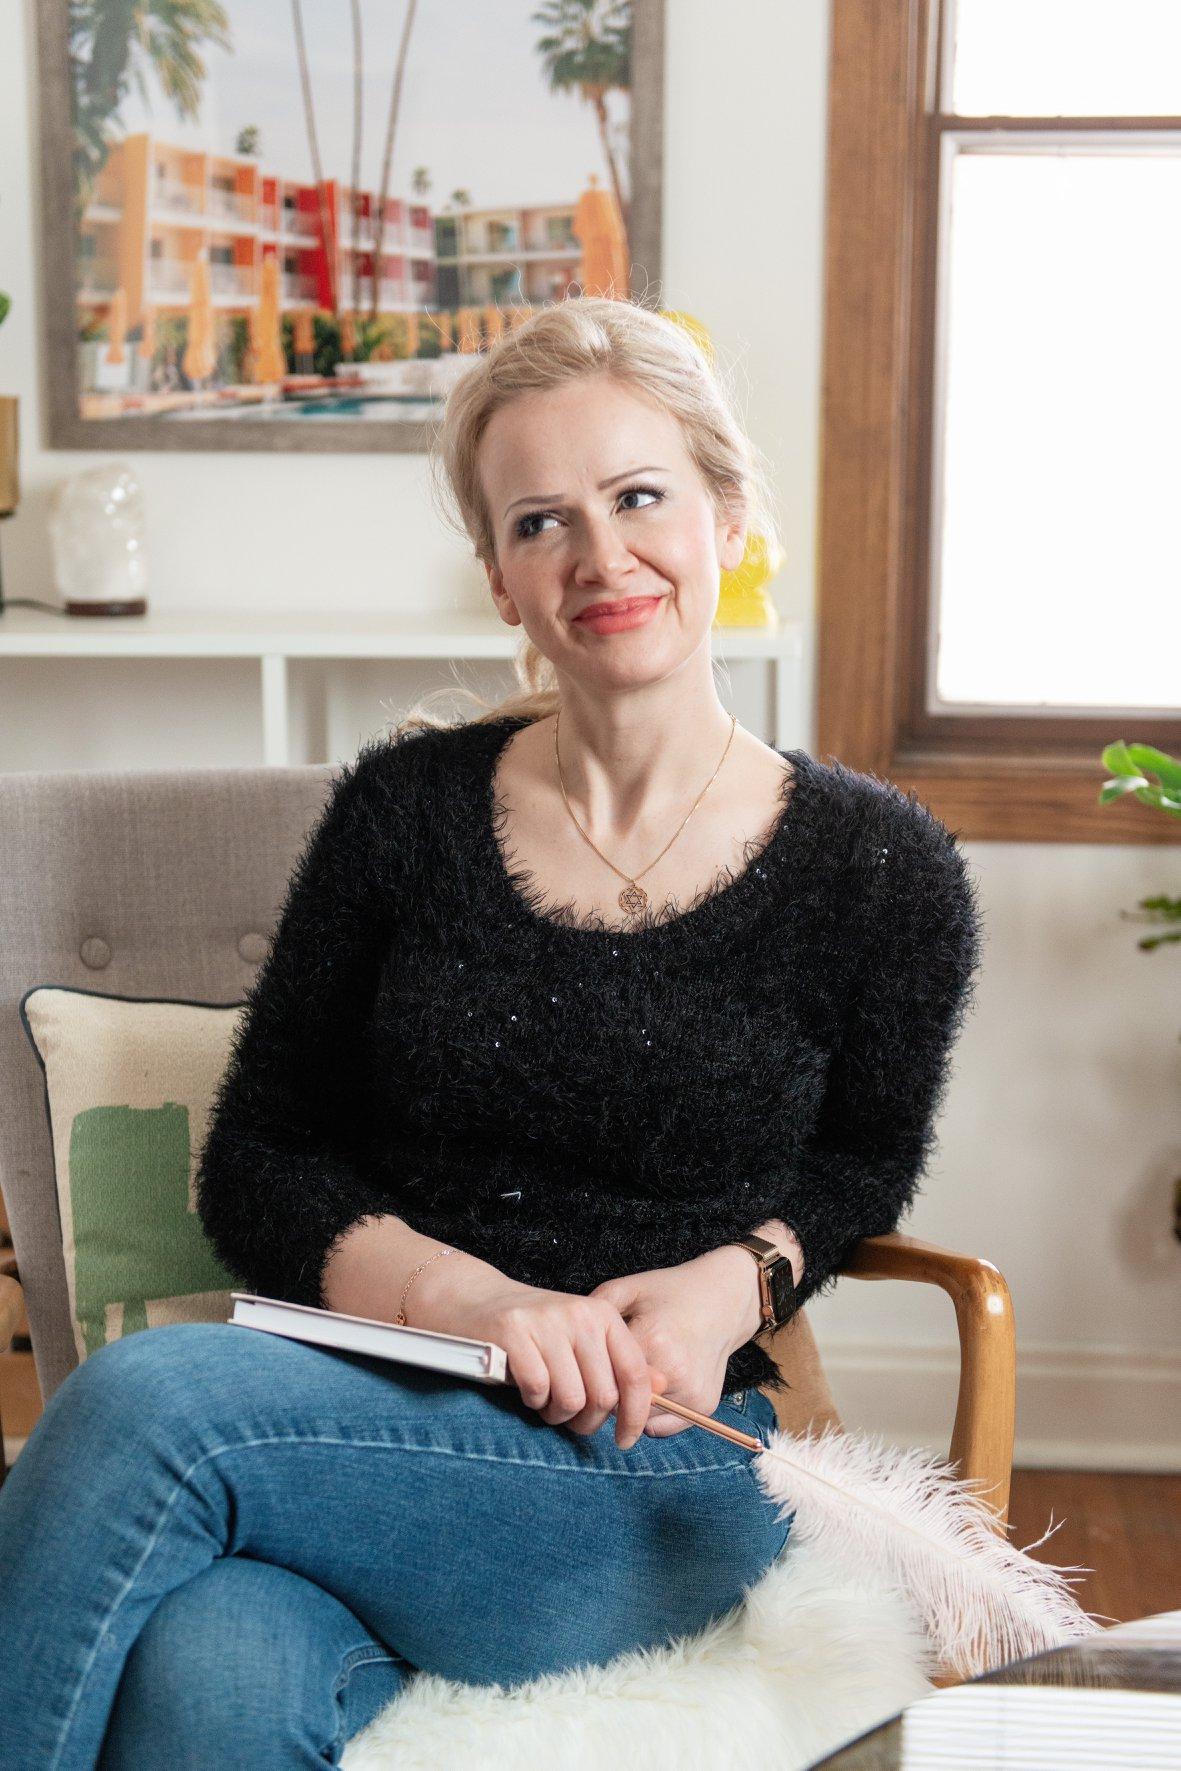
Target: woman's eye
[535,516]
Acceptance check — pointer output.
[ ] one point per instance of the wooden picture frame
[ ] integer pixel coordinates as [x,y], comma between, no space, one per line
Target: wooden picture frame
[69,426]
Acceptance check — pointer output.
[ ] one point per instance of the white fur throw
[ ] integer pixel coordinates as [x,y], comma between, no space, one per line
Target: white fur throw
[809,1661]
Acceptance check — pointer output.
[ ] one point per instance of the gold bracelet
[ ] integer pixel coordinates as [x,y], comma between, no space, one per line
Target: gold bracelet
[400,1318]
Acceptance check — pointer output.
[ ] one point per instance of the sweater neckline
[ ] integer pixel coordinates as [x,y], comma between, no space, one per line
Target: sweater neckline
[727,895]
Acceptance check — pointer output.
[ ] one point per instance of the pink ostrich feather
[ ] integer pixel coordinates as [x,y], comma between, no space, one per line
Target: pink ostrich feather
[904,1516]
[901,1516]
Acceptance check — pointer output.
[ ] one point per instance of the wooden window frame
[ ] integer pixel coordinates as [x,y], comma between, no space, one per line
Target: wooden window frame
[1027,777]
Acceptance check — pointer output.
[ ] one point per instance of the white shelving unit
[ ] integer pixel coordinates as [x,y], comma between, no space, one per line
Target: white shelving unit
[275,637]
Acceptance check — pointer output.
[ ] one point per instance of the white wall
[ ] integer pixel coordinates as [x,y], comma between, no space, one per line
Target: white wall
[1062,1132]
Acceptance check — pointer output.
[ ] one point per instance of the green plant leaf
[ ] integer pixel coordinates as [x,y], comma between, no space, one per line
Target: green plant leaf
[1117,759]
[5,304]
[1169,908]
[1122,785]
[1157,762]
[1151,941]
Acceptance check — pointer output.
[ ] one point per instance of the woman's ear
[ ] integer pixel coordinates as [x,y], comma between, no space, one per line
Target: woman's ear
[731,534]
[500,596]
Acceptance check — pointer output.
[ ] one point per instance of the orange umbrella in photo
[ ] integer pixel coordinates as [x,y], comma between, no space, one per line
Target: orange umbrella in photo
[267,334]
[116,328]
[605,268]
[199,358]
[304,335]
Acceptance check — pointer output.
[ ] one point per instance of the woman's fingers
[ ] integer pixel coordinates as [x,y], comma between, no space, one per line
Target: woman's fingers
[637,1380]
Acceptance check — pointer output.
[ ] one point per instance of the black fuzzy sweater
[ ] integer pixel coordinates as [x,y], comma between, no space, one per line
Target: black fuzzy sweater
[430,1036]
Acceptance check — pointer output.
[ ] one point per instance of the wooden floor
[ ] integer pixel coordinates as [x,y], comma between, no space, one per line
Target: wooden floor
[1126,1528]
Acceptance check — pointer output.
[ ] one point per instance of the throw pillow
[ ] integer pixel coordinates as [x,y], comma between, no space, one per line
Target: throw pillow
[129,1086]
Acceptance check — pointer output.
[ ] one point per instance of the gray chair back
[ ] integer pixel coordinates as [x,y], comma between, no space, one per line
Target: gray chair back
[145,883]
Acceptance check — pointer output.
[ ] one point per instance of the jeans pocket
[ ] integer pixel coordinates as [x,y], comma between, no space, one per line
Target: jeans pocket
[760,1413]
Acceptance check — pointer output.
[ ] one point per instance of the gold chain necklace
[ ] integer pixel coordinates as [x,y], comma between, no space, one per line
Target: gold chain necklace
[634,898]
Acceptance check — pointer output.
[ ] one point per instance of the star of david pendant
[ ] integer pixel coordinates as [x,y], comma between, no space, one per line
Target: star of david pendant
[632,898]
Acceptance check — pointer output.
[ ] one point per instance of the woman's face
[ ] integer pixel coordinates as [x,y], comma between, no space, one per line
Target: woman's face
[594,500]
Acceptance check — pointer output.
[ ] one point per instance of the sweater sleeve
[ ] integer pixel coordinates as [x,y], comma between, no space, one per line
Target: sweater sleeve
[281,1175]
[920,941]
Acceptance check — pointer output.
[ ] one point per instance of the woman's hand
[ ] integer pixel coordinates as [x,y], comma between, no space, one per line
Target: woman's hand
[689,1319]
[574,1359]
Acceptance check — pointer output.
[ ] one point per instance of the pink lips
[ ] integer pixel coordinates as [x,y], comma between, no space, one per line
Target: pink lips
[611,617]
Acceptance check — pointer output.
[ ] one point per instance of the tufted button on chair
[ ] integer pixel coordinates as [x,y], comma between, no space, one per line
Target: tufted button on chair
[182,871]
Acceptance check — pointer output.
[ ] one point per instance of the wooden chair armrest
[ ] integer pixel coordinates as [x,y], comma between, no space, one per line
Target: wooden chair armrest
[12,1309]
[985,1416]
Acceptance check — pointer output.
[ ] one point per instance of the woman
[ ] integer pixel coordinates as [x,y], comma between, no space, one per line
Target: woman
[564,1002]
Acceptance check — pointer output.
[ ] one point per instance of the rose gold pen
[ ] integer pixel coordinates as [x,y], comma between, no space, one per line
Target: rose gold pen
[710,1425]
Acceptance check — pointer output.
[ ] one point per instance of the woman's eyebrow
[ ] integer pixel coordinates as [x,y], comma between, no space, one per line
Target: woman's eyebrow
[556,497]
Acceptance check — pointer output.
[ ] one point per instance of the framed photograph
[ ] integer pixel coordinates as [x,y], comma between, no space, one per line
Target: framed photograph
[289,224]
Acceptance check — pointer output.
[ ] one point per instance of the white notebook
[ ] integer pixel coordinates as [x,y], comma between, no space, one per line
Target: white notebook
[482,1360]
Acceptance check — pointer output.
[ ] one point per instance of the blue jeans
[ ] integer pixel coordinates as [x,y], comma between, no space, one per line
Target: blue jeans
[221,1548]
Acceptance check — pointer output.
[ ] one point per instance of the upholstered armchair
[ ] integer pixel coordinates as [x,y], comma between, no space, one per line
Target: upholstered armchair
[167,884]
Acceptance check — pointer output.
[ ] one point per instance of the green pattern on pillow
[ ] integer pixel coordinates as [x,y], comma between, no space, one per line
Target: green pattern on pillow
[129,1089]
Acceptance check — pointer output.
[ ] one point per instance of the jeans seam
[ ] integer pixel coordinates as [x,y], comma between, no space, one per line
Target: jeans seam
[362,1656]
[356,1657]
[364,1444]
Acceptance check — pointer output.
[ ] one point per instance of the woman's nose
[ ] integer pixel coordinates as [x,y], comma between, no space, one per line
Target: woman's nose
[602,557]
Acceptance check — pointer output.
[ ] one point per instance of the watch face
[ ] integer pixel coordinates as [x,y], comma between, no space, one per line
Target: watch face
[783,1288]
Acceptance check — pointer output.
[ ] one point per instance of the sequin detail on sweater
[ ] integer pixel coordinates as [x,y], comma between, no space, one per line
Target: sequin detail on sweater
[570,1101]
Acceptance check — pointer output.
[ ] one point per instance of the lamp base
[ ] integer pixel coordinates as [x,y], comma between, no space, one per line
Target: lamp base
[132,606]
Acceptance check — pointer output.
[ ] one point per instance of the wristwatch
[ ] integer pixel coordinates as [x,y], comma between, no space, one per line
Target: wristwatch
[777,1286]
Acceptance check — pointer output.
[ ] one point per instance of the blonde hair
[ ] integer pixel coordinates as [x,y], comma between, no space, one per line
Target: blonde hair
[655,356]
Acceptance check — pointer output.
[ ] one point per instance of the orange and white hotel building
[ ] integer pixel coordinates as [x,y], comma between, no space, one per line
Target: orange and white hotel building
[156,207]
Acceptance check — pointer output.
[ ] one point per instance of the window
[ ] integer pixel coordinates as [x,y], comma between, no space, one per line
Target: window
[999,527]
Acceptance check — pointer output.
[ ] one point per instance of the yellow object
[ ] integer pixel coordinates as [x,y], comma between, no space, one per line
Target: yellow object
[743,600]
[693,327]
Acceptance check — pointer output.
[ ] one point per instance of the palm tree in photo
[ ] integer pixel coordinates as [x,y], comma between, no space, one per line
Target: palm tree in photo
[388,154]
[114,44]
[588,49]
[309,117]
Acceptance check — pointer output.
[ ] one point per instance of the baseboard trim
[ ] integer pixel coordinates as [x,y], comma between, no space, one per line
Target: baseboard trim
[1128,1401]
